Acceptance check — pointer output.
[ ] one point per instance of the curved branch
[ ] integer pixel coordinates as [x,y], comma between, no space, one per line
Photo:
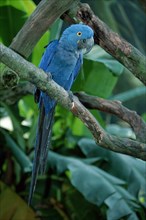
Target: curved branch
[38,77]
[12,95]
[111,42]
[116,108]
[37,24]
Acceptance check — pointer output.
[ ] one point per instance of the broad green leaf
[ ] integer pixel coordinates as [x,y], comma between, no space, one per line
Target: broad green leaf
[101,56]
[116,211]
[28,5]
[18,154]
[13,207]
[27,107]
[79,129]
[96,185]
[55,29]
[129,25]
[120,131]
[80,208]
[144,116]
[15,118]
[29,111]
[39,49]
[129,169]
[98,80]
[10,11]
[130,94]
[9,28]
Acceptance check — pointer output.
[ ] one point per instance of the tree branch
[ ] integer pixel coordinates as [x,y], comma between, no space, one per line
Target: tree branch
[37,24]
[12,95]
[111,42]
[29,72]
[116,108]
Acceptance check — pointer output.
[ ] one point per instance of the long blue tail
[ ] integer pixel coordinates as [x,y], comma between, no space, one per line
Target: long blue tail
[42,145]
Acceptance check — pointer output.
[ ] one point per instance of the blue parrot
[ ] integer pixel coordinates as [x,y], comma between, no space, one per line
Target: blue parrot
[63,59]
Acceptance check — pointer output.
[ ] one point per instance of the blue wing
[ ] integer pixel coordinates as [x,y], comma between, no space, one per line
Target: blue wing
[48,55]
[74,75]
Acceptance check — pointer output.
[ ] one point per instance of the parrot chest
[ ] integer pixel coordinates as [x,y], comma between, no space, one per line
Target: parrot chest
[62,67]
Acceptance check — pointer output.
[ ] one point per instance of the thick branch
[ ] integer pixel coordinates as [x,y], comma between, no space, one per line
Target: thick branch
[143,3]
[37,24]
[116,108]
[110,142]
[10,96]
[115,45]
[38,77]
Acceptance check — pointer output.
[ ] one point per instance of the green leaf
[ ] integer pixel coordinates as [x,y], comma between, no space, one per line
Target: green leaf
[120,131]
[98,80]
[11,11]
[80,208]
[115,213]
[18,209]
[39,49]
[18,154]
[27,107]
[101,56]
[129,169]
[130,94]
[55,29]
[18,131]
[97,186]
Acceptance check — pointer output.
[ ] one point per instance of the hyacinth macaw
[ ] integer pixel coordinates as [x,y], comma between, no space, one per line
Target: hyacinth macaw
[63,59]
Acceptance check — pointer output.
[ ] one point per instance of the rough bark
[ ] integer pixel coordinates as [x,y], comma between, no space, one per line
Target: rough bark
[116,108]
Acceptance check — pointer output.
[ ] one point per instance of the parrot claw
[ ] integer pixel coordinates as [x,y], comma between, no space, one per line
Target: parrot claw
[49,76]
[71,96]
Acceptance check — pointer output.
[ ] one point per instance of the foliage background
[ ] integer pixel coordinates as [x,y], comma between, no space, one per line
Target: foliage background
[83,180]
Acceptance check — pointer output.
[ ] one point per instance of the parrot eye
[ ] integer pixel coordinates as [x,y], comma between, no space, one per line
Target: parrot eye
[79,33]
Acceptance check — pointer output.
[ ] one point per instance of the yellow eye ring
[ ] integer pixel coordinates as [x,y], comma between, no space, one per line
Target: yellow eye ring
[79,33]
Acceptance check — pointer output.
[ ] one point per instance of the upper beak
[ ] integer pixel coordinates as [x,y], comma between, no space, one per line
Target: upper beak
[86,44]
[90,44]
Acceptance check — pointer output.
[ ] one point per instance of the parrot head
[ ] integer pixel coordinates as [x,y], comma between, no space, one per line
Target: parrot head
[78,37]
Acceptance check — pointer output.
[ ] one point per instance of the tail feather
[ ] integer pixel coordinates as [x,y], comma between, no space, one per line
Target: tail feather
[41,146]
[46,140]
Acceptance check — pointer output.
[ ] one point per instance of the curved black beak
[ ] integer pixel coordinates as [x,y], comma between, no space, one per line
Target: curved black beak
[86,44]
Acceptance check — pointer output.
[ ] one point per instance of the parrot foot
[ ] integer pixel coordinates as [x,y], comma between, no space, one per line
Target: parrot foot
[71,96]
[49,76]
[37,95]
